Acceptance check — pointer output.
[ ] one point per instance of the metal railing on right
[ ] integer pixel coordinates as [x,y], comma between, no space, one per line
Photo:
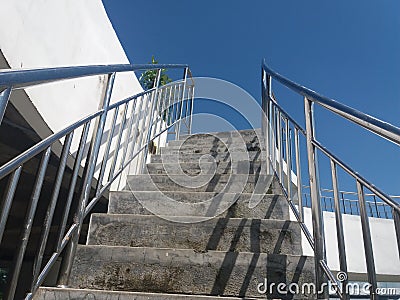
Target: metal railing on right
[282,139]
[376,208]
[142,119]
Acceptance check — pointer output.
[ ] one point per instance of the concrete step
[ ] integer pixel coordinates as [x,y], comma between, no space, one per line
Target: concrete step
[204,204]
[234,133]
[189,168]
[48,293]
[199,157]
[222,234]
[215,273]
[227,183]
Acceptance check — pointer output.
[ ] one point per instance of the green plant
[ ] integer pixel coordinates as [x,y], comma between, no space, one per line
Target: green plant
[148,77]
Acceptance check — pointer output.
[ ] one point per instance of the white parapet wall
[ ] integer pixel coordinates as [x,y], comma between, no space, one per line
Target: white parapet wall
[384,243]
[42,34]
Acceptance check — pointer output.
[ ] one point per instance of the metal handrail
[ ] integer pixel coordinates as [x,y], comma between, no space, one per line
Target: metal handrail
[25,78]
[279,163]
[373,124]
[145,117]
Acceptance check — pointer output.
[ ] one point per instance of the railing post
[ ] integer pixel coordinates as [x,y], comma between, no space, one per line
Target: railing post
[68,259]
[178,131]
[317,217]
[266,126]
[339,228]
[151,118]
[4,96]
[366,232]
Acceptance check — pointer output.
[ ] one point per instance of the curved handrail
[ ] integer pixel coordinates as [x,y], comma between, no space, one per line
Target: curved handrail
[25,78]
[379,127]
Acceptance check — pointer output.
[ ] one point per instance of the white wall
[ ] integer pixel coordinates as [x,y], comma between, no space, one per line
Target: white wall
[384,245]
[44,33]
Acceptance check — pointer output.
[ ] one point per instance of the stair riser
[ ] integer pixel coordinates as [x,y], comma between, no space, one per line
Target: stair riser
[219,157]
[206,168]
[218,183]
[207,148]
[269,206]
[222,234]
[184,271]
[76,294]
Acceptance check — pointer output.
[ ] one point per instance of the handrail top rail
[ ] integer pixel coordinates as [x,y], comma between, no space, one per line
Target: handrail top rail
[379,127]
[28,77]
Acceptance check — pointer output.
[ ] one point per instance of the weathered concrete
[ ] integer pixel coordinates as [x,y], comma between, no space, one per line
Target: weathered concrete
[79,294]
[222,234]
[227,183]
[185,271]
[192,234]
[269,206]
[218,157]
[194,168]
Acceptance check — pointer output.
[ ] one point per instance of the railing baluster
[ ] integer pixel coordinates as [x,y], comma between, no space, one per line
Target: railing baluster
[118,143]
[366,232]
[288,160]
[107,150]
[28,223]
[50,211]
[128,136]
[66,266]
[339,227]
[72,185]
[317,217]
[280,150]
[11,187]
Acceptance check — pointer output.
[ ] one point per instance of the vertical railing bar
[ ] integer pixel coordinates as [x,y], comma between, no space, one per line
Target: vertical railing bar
[150,125]
[191,108]
[143,132]
[376,207]
[73,181]
[4,97]
[107,150]
[11,187]
[298,171]
[50,211]
[273,135]
[366,231]
[317,217]
[280,150]
[128,135]
[137,130]
[28,223]
[396,220]
[339,227]
[66,266]
[185,73]
[118,143]
[160,123]
[288,160]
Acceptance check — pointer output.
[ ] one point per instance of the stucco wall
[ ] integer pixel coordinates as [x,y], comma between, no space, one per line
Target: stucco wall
[43,33]
[384,244]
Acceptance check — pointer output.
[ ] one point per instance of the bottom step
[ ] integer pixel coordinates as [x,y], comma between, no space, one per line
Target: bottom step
[179,271]
[79,294]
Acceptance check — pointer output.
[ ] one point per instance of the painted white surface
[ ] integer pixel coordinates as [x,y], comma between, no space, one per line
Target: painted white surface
[43,33]
[384,244]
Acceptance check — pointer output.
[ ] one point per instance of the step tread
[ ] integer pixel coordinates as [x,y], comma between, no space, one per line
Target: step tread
[223,234]
[169,270]
[50,293]
[244,205]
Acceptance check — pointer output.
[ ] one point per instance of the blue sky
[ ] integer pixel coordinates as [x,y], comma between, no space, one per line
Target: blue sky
[346,50]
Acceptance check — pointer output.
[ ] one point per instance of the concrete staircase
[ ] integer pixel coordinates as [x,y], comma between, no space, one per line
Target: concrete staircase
[187,229]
